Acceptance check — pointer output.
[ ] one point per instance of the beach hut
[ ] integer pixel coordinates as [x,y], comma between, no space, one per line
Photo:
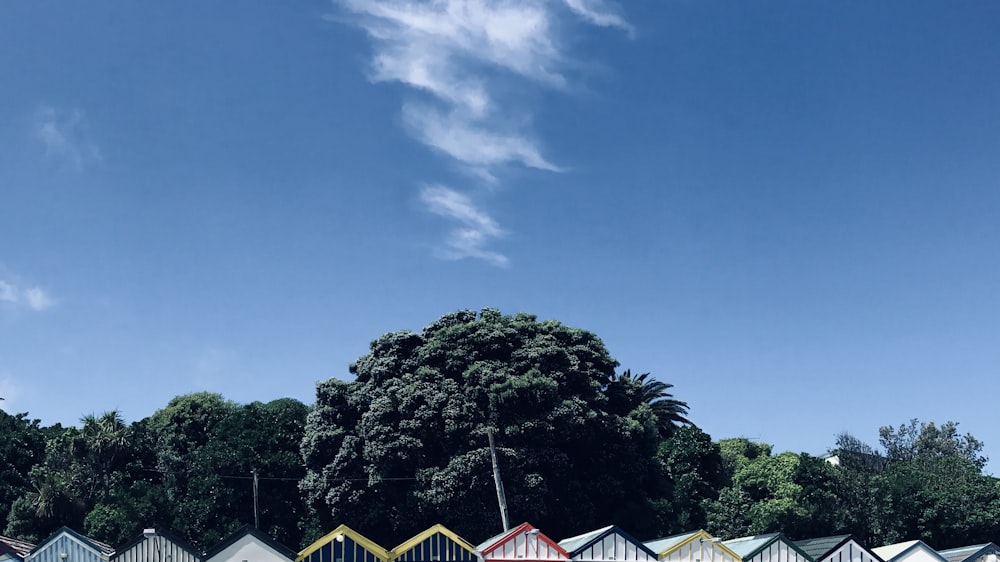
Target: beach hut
[839,548]
[13,550]
[155,545]
[909,551]
[772,547]
[523,543]
[606,543]
[976,553]
[248,544]
[66,545]
[437,544]
[696,546]
[343,544]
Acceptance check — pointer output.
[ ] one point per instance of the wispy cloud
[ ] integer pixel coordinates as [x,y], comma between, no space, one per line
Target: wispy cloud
[600,13]
[460,54]
[64,136]
[33,297]
[476,228]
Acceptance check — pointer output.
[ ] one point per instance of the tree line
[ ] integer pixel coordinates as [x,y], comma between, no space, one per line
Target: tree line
[403,445]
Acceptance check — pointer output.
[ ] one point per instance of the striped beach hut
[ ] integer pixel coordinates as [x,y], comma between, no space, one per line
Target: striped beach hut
[696,546]
[155,545]
[909,551]
[66,545]
[523,543]
[437,544]
[839,548]
[976,553]
[13,550]
[772,547]
[248,544]
[606,543]
[343,544]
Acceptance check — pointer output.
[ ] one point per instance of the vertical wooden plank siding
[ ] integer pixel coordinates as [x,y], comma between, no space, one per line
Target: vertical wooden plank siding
[700,551]
[157,549]
[437,548]
[613,547]
[347,550]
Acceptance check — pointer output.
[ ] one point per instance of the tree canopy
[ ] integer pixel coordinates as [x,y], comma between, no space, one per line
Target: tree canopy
[405,443]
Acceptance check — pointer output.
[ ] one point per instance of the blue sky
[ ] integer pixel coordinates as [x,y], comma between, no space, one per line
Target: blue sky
[789,210]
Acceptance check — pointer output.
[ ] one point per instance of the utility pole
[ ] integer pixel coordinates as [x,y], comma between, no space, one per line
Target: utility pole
[496,478]
[256,521]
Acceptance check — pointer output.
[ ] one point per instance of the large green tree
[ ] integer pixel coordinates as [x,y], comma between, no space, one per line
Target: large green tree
[404,445]
[792,493]
[206,452]
[925,483]
[22,446]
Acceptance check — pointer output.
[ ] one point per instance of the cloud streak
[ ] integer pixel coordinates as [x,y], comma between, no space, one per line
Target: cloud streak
[476,228]
[33,298]
[466,61]
[64,136]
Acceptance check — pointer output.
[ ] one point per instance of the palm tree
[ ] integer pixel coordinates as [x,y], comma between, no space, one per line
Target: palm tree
[626,392]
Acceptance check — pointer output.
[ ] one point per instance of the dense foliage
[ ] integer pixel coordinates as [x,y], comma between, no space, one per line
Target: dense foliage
[404,445]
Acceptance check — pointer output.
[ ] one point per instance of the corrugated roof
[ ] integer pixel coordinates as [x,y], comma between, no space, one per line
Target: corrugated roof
[963,553]
[15,546]
[573,543]
[890,551]
[819,547]
[496,538]
[666,543]
[746,546]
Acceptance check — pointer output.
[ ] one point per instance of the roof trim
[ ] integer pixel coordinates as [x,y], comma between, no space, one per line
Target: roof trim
[378,550]
[423,535]
[522,528]
[699,534]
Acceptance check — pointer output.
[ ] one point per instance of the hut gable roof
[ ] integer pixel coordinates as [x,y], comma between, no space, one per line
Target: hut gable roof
[663,547]
[748,547]
[102,550]
[899,551]
[822,547]
[250,533]
[497,546]
[445,554]
[170,537]
[580,543]
[969,553]
[339,534]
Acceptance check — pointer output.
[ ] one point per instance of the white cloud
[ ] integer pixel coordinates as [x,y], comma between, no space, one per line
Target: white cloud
[462,54]
[33,297]
[476,228]
[64,135]
[599,13]
[471,143]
